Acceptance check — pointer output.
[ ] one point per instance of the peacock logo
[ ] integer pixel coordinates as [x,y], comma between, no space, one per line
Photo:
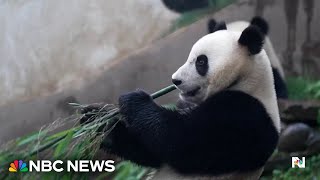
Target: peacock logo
[18,166]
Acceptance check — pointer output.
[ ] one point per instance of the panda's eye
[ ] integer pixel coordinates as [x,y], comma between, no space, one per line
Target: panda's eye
[202,64]
[201,60]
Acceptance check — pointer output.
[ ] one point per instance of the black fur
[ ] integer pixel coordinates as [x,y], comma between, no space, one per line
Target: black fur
[214,26]
[121,142]
[261,24]
[176,82]
[253,39]
[201,64]
[280,85]
[230,131]
[211,25]
[181,104]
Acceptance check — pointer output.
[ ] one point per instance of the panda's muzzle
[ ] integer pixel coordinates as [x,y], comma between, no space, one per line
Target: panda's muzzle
[192,92]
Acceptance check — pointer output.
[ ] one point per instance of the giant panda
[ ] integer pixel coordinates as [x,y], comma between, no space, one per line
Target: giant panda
[278,72]
[229,134]
[286,141]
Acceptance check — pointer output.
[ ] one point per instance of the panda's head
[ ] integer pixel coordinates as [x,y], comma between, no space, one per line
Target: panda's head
[217,62]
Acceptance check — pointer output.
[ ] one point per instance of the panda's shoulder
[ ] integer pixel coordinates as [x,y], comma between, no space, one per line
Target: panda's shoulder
[236,102]
[233,97]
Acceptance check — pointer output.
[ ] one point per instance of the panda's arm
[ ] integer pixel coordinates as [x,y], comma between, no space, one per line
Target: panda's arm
[226,128]
[156,127]
[280,85]
[125,145]
[119,141]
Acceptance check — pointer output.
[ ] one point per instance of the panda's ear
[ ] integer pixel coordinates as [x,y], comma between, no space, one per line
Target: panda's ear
[217,27]
[253,39]
[261,24]
[211,25]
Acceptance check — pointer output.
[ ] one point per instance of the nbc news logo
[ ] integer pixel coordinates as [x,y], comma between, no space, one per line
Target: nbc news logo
[57,166]
[297,162]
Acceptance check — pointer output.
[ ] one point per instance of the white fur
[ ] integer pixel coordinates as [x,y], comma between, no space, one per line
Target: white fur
[239,26]
[227,61]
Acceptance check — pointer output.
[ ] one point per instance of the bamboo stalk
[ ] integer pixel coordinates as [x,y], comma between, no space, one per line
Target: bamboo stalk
[153,96]
[105,119]
[163,91]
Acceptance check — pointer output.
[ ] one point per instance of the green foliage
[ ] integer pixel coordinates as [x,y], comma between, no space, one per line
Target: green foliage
[78,142]
[314,89]
[300,88]
[61,147]
[129,171]
[318,118]
[170,106]
[303,88]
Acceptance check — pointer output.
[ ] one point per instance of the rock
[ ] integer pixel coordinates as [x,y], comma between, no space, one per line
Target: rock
[294,138]
[293,111]
[299,137]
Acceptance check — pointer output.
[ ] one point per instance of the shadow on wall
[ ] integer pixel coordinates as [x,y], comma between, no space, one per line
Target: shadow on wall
[46,46]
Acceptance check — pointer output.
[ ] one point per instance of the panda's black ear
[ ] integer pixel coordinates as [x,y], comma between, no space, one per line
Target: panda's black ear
[211,25]
[261,24]
[252,38]
[218,26]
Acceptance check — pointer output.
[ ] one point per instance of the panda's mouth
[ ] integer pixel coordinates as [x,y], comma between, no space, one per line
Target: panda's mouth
[192,92]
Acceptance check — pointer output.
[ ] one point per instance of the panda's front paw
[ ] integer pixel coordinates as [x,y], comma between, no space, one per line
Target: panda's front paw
[114,140]
[132,103]
[89,111]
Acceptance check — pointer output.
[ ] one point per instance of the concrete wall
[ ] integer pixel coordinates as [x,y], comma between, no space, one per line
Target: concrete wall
[42,53]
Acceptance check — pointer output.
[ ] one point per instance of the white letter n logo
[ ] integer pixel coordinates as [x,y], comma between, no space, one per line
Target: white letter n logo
[296,162]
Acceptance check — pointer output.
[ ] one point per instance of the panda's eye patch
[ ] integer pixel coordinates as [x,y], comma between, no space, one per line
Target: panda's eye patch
[202,65]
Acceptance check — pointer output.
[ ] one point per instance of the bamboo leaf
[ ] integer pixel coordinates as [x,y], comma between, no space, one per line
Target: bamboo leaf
[85,141]
[33,137]
[63,145]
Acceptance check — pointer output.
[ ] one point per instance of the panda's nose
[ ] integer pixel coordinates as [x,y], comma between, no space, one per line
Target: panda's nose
[176,82]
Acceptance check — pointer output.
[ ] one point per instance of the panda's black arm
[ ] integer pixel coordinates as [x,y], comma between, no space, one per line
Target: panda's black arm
[125,145]
[227,128]
[156,127]
[280,85]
